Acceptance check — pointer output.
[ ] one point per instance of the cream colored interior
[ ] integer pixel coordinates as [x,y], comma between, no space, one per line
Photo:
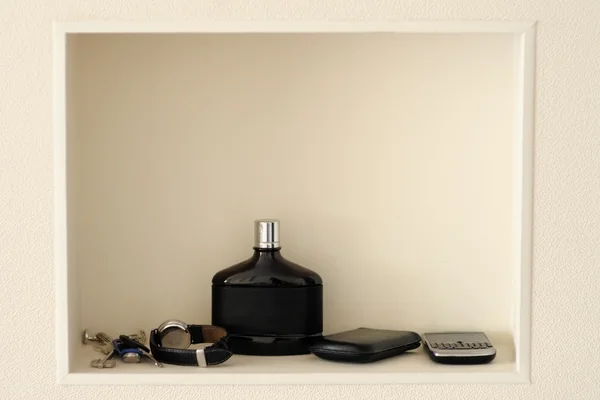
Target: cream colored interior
[388,158]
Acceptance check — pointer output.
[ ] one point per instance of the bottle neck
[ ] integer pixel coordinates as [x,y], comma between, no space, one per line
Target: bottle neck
[264,254]
[265,250]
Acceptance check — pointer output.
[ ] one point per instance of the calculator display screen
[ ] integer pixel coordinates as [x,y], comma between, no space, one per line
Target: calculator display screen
[455,337]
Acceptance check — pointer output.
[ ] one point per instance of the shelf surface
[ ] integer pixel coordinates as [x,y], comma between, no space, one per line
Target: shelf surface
[411,367]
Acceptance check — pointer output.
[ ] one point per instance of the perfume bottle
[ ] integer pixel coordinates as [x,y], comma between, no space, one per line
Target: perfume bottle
[267,304]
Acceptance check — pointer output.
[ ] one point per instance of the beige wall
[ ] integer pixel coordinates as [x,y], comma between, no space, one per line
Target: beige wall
[566,296]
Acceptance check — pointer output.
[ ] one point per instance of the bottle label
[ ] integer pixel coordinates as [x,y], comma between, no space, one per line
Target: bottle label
[285,311]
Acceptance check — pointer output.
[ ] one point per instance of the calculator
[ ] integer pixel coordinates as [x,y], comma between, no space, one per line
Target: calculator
[458,347]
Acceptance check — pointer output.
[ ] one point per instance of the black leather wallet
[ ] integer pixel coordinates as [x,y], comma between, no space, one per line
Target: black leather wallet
[364,345]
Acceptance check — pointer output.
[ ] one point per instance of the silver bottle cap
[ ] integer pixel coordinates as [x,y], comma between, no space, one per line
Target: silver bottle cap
[266,233]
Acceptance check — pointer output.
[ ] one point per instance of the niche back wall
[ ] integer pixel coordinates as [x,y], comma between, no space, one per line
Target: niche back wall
[388,158]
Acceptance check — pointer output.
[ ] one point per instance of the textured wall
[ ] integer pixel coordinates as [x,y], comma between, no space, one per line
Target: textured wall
[566,291]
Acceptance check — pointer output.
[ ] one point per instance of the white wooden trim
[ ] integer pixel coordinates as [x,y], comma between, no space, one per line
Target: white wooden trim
[60,203]
[293,27]
[294,379]
[525,34]
[525,130]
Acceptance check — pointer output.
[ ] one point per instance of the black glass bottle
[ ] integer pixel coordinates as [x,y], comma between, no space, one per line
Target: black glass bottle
[269,305]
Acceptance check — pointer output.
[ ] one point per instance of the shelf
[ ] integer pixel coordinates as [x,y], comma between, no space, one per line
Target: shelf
[398,162]
[411,367]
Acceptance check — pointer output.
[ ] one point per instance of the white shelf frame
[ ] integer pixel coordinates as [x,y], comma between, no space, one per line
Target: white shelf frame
[524,35]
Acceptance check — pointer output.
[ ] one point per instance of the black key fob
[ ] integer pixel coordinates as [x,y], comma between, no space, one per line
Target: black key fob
[127,341]
[128,352]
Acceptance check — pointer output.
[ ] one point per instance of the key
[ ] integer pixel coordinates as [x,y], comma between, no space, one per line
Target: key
[104,349]
[104,344]
[139,337]
[156,362]
[105,362]
[108,349]
[137,345]
[104,338]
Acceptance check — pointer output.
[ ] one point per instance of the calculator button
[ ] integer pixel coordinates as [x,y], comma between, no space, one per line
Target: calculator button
[482,346]
[475,345]
[452,345]
[434,345]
